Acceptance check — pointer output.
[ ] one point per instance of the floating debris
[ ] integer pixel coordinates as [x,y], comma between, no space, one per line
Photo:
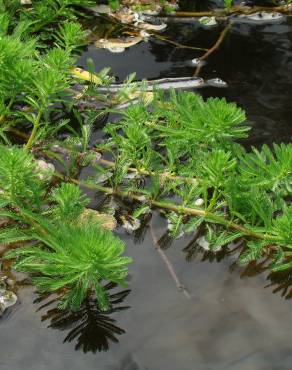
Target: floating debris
[199,202]
[44,170]
[261,16]
[178,83]
[7,297]
[197,62]
[116,50]
[103,177]
[145,35]
[100,9]
[131,175]
[135,98]
[203,243]
[90,215]
[152,12]
[130,224]
[155,26]
[208,21]
[216,82]
[118,45]
[96,158]
[124,15]
[85,75]
[173,6]
[162,84]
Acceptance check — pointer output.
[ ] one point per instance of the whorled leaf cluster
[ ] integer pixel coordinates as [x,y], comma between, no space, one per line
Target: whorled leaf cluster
[180,154]
[189,149]
[61,251]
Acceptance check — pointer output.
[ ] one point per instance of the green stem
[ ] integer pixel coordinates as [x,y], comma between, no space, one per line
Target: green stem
[33,134]
[178,209]
[3,116]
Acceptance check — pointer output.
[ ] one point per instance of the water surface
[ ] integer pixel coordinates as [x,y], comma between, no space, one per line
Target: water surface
[231,321]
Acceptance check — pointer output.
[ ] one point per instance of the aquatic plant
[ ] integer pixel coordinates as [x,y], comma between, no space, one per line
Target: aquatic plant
[228,3]
[114,4]
[66,253]
[37,81]
[41,15]
[188,150]
[77,259]
[177,153]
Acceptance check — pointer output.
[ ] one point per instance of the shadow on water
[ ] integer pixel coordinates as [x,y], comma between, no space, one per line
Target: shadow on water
[228,321]
[89,328]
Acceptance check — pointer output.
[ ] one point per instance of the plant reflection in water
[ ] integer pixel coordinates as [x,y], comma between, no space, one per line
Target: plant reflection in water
[90,328]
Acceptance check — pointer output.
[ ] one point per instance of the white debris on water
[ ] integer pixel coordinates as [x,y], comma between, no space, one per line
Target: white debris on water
[100,9]
[150,26]
[7,297]
[144,34]
[216,82]
[152,12]
[44,170]
[208,21]
[197,62]
[260,17]
[199,202]
[116,49]
[103,177]
[131,224]
[203,243]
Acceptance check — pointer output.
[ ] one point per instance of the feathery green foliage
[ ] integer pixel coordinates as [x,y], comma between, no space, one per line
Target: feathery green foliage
[19,181]
[69,203]
[42,15]
[36,80]
[69,255]
[76,258]
[187,147]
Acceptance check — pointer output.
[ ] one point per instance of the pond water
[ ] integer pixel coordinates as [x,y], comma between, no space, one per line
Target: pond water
[230,320]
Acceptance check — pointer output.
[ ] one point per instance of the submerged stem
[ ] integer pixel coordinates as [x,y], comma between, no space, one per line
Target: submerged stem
[177,208]
[169,265]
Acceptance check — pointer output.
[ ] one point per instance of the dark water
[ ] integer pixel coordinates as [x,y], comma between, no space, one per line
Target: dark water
[231,321]
[255,60]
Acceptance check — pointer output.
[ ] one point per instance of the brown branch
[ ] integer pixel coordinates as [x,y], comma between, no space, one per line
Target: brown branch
[178,45]
[213,48]
[169,265]
[233,10]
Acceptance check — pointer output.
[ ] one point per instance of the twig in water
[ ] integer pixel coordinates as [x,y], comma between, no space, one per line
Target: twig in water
[169,266]
[137,30]
[237,9]
[213,48]
[178,45]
